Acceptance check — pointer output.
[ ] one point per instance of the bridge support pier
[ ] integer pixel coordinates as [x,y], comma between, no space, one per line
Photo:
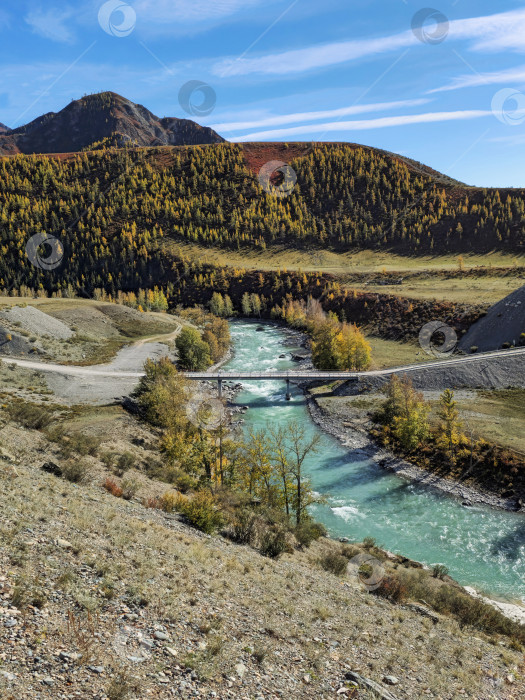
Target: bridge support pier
[288,395]
[220,388]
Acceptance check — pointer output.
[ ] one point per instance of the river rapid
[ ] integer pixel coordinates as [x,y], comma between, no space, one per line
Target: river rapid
[482,547]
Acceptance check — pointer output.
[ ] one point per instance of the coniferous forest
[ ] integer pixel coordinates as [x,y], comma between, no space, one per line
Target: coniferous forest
[118,212]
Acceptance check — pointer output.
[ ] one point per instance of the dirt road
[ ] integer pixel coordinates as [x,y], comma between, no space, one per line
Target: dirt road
[100,384]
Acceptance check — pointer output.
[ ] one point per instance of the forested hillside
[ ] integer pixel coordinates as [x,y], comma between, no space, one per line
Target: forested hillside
[345,197]
[118,214]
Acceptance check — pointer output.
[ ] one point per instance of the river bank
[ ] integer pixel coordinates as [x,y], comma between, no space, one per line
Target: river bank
[358,438]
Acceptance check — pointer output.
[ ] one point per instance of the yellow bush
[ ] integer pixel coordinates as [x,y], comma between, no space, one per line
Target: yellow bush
[169,501]
[201,511]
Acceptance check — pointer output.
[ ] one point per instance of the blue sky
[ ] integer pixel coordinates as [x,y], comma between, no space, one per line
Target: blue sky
[449,92]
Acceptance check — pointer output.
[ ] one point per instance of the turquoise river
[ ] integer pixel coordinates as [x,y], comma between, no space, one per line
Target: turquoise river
[481,547]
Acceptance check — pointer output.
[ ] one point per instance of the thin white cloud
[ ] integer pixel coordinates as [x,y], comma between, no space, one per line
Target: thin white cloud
[313,116]
[51,24]
[191,11]
[313,57]
[503,31]
[364,124]
[512,140]
[504,77]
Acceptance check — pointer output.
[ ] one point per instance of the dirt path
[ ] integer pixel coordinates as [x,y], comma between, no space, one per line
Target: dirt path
[100,384]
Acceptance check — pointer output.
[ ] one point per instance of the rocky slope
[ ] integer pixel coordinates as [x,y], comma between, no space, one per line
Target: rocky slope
[503,323]
[104,598]
[99,117]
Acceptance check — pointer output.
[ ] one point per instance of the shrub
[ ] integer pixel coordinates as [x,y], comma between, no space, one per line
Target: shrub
[151,502]
[273,542]
[76,471]
[81,444]
[334,563]
[108,459]
[170,474]
[349,551]
[260,653]
[123,686]
[168,502]
[309,531]
[29,415]
[243,527]
[369,542]
[28,591]
[55,433]
[392,588]
[439,571]
[473,348]
[113,488]
[183,481]
[130,488]
[200,511]
[126,461]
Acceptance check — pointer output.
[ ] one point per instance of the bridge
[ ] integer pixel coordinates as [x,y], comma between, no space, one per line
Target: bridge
[318,375]
[220,376]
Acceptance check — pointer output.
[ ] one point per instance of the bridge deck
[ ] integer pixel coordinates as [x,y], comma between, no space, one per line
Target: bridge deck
[316,375]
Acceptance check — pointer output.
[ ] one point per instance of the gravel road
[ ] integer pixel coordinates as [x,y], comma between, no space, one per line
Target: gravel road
[101,384]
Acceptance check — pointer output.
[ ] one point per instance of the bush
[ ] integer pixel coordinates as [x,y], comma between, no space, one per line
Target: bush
[168,502]
[334,563]
[81,444]
[392,588]
[130,488]
[439,571]
[76,471]
[151,502]
[200,511]
[273,542]
[369,542]
[123,686]
[349,551]
[113,488]
[309,531]
[473,348]
[28,591]
[29,415]
[126,461]
[108,459]
[243,527]
[182,481]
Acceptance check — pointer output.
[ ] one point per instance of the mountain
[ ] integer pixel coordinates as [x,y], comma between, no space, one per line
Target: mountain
[102,119]
[4,128]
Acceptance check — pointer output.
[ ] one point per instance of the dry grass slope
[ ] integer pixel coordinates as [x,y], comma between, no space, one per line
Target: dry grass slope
[156,609]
